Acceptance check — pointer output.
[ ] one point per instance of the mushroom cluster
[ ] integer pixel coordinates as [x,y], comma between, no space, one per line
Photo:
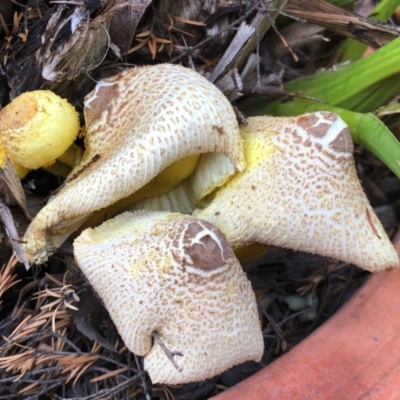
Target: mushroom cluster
[128,143]
[164,140]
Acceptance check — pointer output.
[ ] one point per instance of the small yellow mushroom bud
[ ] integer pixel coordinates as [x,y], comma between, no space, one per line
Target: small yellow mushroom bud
[38,127]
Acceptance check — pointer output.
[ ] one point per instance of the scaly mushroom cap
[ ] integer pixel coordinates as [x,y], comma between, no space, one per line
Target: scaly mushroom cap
[301,191]
[37,127]
[137,123]
[177,276]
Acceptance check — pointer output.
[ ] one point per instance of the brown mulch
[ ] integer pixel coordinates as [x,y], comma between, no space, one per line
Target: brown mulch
[57,340]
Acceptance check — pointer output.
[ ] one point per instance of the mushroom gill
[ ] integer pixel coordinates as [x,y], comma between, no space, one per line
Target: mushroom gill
[301,191]
[177,276]
[138,122]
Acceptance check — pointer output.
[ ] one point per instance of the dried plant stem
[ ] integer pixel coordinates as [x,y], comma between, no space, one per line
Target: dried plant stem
[107,393]
[142,378]
[261,22]
[170,354]
[8,221]
[190,50]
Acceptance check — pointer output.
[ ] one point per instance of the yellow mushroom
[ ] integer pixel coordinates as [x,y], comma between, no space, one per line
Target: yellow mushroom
[138,122]
[301,191]
[178,277]
[38,127]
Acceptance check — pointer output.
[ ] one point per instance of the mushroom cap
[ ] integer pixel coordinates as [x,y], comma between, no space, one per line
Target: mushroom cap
[177,276]
[138,122]
[37,127]
[301,191]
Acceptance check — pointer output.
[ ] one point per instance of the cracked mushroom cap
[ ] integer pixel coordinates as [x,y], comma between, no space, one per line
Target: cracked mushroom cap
[301,191]
[177,276]
[138,122]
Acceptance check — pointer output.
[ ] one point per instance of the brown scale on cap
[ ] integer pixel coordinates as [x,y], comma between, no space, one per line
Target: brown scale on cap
[204,248]
[177,276]
[317,127]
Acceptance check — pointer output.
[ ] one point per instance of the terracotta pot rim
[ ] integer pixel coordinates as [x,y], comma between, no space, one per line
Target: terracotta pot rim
[354,355]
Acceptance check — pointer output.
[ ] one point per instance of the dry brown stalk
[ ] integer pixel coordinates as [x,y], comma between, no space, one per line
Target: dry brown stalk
[323,13]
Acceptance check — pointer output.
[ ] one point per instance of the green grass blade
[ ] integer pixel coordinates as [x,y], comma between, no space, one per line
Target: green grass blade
[334,87]
[353,49]
[384,10]
[375,96]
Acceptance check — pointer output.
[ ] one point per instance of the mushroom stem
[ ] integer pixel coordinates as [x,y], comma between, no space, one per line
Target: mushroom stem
[170,354]
[251,252]
[58,168]
[72,156]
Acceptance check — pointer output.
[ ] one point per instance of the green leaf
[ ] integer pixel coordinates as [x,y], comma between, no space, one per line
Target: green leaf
[384,10]
[353,49]
[375,96]
[336,87]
